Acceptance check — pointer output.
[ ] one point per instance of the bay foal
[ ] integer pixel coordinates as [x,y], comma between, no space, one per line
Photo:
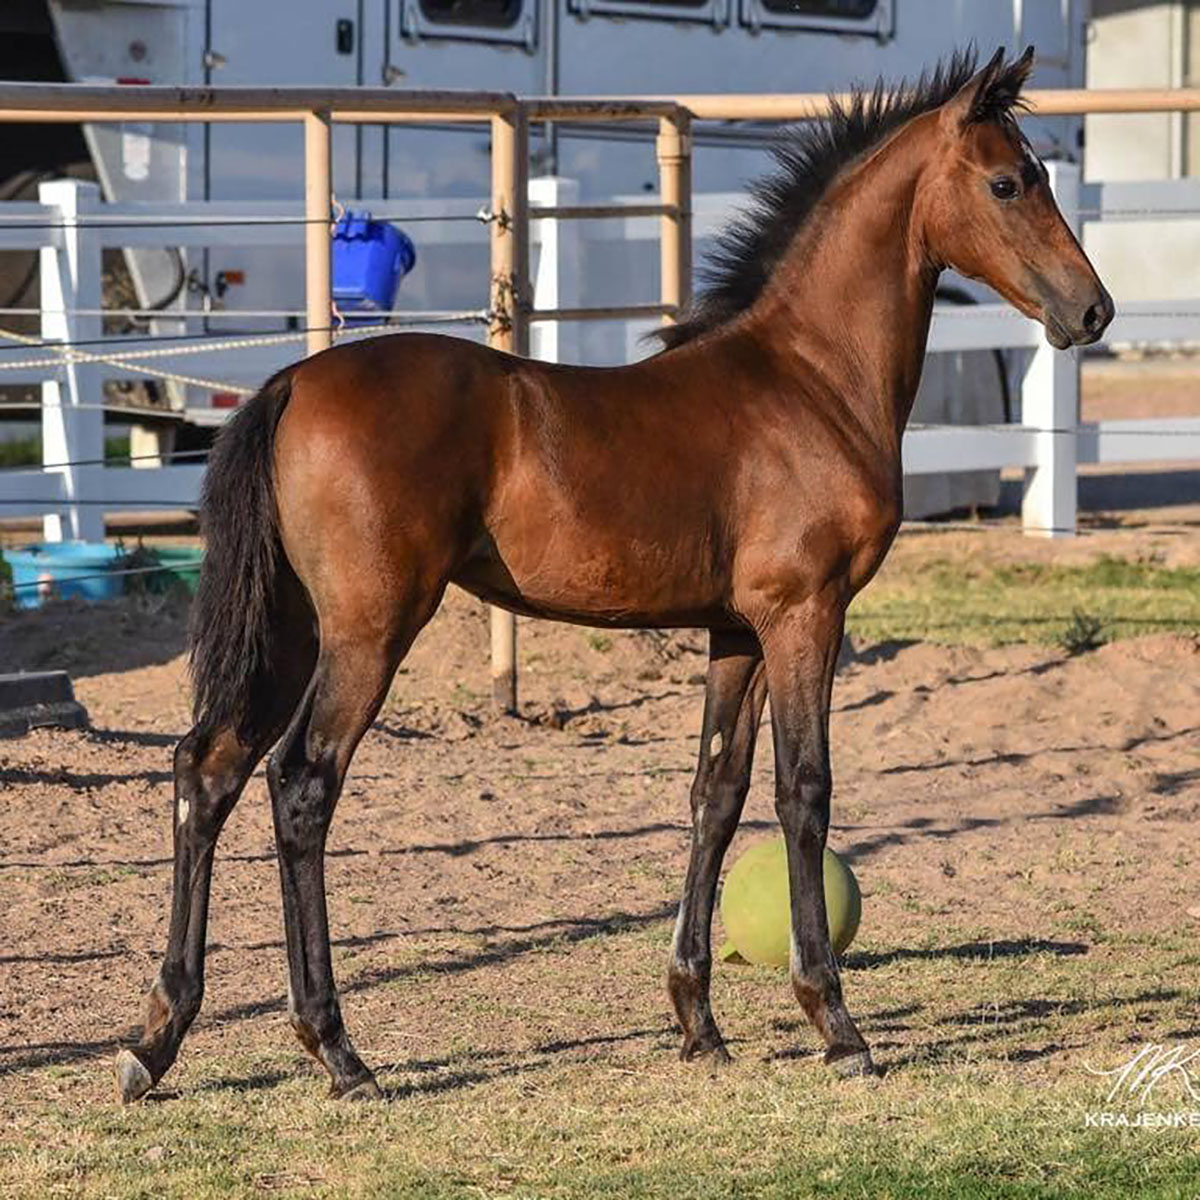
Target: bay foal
[746,480]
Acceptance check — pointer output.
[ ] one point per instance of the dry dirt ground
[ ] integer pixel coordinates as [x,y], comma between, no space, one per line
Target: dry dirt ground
[1014,799]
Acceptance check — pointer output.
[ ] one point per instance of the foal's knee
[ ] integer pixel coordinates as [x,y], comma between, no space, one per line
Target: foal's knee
[718,792]
[802,804]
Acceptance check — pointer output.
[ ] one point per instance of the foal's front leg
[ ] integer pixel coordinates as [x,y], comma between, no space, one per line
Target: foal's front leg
[733,701]
[801,646]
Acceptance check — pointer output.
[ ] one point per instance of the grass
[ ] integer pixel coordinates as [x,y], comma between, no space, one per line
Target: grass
[980,1101]
[27,452]
[769,1137]
[982,603]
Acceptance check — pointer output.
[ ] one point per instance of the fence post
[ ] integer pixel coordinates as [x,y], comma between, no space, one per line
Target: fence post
[72,417]
[318,195]
[507,328]
[556,279]
[1050,402]
[674,153]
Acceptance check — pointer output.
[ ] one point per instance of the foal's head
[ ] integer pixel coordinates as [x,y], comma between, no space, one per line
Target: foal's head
[989,213]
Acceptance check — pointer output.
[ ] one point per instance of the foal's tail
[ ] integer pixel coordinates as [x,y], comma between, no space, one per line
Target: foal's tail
[233,617]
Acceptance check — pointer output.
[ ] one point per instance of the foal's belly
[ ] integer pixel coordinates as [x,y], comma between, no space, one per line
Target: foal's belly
[593,581]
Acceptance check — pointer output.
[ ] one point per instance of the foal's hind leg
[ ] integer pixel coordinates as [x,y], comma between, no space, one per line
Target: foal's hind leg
[305,774]
[211,769]
[733,700]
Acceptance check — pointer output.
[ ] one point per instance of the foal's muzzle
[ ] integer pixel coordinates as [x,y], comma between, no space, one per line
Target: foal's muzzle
[1078,321]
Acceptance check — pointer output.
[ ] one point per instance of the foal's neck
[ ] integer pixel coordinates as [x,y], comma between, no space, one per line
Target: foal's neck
[853,297]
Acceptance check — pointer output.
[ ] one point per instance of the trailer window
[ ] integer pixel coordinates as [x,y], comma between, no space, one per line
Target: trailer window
[875,18]
[710,12]
[508,22]
[855,10]
[491,14]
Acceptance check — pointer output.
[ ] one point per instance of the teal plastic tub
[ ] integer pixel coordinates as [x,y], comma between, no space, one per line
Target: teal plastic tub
[80,569]
[181,564]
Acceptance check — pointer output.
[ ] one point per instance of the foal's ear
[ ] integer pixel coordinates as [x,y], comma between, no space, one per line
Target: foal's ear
[991,92]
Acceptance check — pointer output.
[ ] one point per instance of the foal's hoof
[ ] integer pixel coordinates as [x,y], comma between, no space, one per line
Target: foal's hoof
[133,1080]
[711,1055]
[366,1089]
[855,1066]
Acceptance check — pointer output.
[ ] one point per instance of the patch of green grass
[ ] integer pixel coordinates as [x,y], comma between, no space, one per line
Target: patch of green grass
[69,880]
[961,602]
[1084,633]
[587,1132]
[985,1096]
[27,452]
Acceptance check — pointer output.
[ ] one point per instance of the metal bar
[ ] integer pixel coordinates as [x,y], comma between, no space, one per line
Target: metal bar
[586,212]
[1050,402]
[1081,101]
[90,102]
[103,116]
[379,320]
[607,313]
[76,116]
[522,290]
[1155,321]
[358,116]
[34,102]
[174,486]
[931,450]
[72,428]
[802,106]
[33,493]
[318,194]
[674,153]
[503,250]
[981,327]
[1139,200]
[598,108]
[510,231]
[1157,439]
[347,116]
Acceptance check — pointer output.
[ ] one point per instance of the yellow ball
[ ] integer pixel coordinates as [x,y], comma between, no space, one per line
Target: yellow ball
[756,909]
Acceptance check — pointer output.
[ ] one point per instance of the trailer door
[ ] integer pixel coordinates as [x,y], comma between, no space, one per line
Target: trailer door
[267,43]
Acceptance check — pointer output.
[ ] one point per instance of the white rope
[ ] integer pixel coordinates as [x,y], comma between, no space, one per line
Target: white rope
[77,356]
[134,360]
[73,354]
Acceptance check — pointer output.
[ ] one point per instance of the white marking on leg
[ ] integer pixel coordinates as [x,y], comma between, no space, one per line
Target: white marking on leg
[183,809]
[715,745]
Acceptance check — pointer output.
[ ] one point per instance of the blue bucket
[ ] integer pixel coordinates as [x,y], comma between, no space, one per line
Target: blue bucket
[369,260]
[82,569]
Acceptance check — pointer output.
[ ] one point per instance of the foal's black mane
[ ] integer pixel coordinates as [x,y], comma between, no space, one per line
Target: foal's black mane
[808,158]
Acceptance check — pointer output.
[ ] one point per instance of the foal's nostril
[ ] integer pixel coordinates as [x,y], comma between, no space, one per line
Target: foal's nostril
[1093,318]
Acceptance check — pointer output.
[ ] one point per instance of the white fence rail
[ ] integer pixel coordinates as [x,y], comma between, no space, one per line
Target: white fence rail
[71,227]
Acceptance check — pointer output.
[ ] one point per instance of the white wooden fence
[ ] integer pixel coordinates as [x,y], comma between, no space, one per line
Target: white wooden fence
[71,226]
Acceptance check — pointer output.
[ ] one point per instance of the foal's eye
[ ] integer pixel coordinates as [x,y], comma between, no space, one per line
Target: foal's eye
[1004,187]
